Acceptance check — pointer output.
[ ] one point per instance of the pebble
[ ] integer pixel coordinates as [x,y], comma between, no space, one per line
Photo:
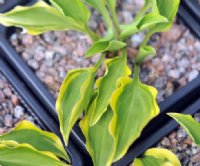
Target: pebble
[33,63]
[11,109]
[18,112]
[193,74]
[2,1]
[7,92]
[15,100]
[8,121]
[2,97]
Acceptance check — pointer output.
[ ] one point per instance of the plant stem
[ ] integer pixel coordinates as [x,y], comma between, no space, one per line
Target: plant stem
[115,20]
[146,39]
[99,62]
[136,74]
[92,34]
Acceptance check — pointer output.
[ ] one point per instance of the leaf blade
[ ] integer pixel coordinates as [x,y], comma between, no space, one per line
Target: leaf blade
[75,9]
[189,124]
[99,144]
[157,157]
[74,97]
[103,46]
[38,19]
[43,141]
[115,69]
[134,93]
[12,153]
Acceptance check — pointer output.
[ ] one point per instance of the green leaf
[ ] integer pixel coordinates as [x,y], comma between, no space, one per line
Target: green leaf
[144,53]
[103,46]
[163,6]
[106,85]
[189,124]
[134,105]
[74,97]
[112,3]
[38,19]
[75,9]
[26,132]
[157,157]
[150,20]
[14,154]
[99,142]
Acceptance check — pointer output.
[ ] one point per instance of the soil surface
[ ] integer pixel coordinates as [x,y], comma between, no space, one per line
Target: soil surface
[12,109]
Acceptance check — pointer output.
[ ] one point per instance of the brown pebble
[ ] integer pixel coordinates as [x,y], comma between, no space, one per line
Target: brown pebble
[165,142]
[15,100]
[173,34]
[195,158]
[7,92]
[188,141]
[2,97]
[8,121]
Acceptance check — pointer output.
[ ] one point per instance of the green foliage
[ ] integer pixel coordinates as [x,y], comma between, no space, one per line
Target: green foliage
[189,124]
[14,154]
[99,141]
[75,9]
[157,157]
[26,133]
[115,69]
[74,97]
[117,108]
[102,46]
[38,19]
[142,108]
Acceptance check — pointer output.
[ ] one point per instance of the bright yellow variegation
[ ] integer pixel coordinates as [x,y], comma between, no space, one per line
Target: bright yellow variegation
[99,141]
[115,69]
[74,97]
[14,154]
[157,157]
[134,105]
[38,19]
[26,132]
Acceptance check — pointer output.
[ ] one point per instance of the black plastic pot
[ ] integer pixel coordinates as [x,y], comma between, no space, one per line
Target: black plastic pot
[194,7]
[175,103]
[43,118]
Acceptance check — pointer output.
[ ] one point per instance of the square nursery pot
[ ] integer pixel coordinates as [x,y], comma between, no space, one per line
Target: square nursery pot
[42,118]
[194,7]
[184,100]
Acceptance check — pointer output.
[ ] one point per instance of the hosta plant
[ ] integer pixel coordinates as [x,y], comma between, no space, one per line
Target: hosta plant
[116,107]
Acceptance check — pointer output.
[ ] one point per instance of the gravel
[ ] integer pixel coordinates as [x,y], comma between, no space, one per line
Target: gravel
[2,2]
[181,144]
[12,109]
[53,54]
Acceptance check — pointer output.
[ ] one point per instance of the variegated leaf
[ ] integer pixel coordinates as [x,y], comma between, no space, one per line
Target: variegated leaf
[74,97]
[134,105]
[75,9]
[38,19]
[99,142]
[115,69]
[189,124]
[14,154]
[157,157]
[26,132]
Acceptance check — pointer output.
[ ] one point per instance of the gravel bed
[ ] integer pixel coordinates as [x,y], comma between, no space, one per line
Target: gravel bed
[53,54]
[12,109]
[181,144]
